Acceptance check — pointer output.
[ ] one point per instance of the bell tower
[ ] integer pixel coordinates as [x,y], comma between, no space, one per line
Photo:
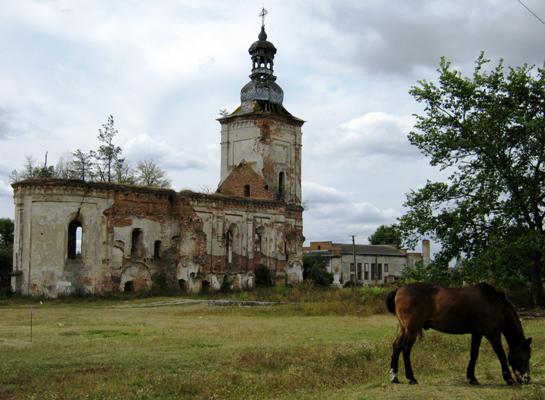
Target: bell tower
[261,140]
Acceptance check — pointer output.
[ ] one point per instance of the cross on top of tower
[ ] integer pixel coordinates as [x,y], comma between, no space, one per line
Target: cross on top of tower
[262,15]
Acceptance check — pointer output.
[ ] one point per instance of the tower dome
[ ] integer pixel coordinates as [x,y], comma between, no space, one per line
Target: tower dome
[262,85]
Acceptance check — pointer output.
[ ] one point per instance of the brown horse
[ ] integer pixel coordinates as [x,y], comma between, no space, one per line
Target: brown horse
[480,310]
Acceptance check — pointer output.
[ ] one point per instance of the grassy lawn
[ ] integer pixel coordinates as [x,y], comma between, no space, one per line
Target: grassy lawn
[150,349]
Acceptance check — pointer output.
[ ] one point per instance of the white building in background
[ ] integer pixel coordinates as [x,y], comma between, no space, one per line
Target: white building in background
[375,264]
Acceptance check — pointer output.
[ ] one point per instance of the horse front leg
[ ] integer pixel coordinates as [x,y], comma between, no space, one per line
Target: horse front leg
[407,347]
[396,350]
[475,344]
[495,341]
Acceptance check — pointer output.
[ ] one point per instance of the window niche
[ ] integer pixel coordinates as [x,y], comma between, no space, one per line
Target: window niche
[157,250]
[75,239]
[246,190]
[229,247]
[281,185]
[137,243]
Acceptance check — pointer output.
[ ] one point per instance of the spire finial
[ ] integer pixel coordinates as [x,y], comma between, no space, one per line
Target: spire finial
[262,15]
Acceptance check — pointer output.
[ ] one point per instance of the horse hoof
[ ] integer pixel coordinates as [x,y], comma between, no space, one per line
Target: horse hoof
[474,381]
[394,380]
[413,381]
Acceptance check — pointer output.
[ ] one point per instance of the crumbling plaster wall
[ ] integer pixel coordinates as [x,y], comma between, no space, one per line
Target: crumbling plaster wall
[41,265]
[192,230]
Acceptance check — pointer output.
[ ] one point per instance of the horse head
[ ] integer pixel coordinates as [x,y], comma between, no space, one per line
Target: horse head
[519,359]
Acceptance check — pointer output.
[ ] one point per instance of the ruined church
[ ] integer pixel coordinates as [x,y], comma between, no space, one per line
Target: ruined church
[95,238]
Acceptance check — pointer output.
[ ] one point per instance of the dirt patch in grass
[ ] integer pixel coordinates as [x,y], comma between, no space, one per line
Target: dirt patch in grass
[99,333]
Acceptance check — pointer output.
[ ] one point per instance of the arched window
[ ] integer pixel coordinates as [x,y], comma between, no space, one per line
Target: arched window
[157,250]
[229,247]
[137,243]
[259,239]
[75,239]
[281,184]
[246,190]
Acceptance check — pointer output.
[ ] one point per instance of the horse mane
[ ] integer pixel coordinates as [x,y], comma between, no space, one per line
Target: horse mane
[510,311]
[491,291]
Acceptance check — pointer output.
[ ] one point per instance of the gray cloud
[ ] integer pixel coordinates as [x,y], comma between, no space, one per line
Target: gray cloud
[403,37]
[331,214]
[144,147]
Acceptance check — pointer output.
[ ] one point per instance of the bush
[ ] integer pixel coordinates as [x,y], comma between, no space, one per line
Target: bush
[225,285]
[315,269]
[263,276]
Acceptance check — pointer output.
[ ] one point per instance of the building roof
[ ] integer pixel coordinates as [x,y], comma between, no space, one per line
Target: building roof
[337,249]
[371,249]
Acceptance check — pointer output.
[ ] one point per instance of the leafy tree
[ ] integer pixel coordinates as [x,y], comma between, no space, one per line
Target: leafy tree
[32,171]
[108,153]
[386,234]
[124,173]
[6,232]
[82,166]
[150,174]
[488,132]
[315,269]
[6,253]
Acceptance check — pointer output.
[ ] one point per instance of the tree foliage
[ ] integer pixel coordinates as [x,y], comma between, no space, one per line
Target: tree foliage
[150,174]
[108,154]
[103,165]
[386,234]
[6,253]
[315,269]
[488,132]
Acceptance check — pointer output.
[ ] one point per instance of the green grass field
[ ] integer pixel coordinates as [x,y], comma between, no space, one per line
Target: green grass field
[326,347]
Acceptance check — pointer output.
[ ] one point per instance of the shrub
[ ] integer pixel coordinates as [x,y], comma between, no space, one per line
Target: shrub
[315,269]
[263,276]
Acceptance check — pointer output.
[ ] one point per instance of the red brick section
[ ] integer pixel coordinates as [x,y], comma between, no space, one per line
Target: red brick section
[243,175]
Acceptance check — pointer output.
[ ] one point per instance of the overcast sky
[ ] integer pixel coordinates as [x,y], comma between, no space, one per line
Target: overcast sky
[164,69]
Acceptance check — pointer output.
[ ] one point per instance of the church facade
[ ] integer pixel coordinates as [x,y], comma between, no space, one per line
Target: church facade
[95,237]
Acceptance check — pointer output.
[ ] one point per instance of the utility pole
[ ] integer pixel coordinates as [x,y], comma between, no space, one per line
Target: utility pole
[354,255]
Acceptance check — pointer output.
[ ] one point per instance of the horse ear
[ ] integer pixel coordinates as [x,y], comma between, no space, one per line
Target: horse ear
[529,341]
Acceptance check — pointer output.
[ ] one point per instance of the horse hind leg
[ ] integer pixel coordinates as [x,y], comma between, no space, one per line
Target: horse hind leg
[409,339]
[396,350]
[475,344]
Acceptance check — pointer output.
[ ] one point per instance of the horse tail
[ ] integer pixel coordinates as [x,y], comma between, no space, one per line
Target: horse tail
[390,301]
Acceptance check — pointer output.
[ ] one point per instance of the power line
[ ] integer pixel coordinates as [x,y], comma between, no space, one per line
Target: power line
[533,13]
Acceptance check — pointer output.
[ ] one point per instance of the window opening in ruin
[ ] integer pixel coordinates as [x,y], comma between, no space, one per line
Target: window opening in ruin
[258,240]
[359,272]
[319,247]
[385,267]
[366,271]
[379,272]
[205,286]
[137,243]
[183,284]
[373,271]
[75,239]
[129,287]
[229,247]
[157,250]
[246,190]
[281,185]
[266,187]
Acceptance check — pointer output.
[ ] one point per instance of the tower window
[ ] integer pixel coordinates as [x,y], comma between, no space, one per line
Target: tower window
[246,190]
[75,239]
